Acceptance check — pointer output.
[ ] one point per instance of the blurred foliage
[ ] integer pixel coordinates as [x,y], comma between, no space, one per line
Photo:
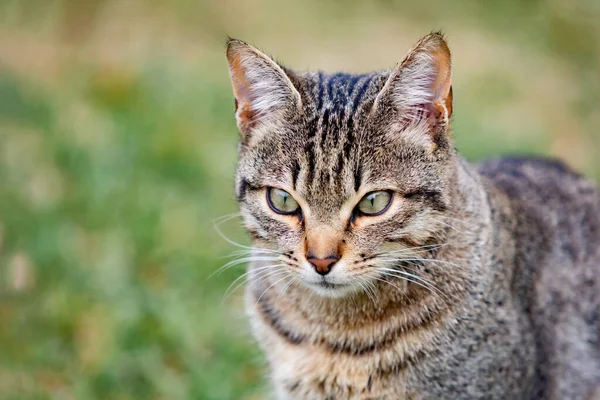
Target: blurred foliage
[118,153]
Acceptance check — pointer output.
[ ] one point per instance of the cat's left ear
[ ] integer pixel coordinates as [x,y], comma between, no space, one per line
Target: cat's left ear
[263,90]
[420,87]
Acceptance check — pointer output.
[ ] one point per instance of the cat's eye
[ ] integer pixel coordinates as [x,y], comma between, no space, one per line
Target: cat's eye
[281,201]
[374,203]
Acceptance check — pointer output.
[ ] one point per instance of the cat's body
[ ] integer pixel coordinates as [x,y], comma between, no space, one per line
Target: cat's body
[473,282]
[556,228]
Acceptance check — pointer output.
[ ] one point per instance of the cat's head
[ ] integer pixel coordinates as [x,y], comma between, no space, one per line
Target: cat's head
[342,174]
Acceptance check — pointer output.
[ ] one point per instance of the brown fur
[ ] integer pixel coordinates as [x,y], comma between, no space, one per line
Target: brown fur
[478,282]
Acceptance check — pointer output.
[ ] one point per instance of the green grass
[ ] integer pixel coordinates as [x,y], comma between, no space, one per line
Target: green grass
[118,153]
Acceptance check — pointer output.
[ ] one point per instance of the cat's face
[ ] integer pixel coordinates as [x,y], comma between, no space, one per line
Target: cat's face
[344,174]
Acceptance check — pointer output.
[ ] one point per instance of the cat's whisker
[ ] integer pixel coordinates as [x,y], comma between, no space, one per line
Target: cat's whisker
[418,280]
[352,298]
[312,292]
[446,294]
[451,227]
[413,249]
[403,274]
[389,283]
[460,221]
[266,275]
[216,227]
[227,217]
[362,284]
[238,261]
[373,289]
[425,280]
[240,281]
[255,250]
[368,287]
[431,289]
[249,259]
[286,287]
[253,270]
[431,260]
[272,271]
[273,284]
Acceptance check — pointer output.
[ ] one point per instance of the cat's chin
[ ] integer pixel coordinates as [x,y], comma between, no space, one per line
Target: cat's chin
[332,290]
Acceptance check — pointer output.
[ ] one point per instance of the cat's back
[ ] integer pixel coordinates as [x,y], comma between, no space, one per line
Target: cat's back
[555,215]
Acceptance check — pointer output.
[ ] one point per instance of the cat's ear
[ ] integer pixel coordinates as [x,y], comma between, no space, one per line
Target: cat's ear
[262,89]
[420,87]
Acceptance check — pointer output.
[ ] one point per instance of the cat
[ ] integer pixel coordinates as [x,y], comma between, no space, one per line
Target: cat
[385,266]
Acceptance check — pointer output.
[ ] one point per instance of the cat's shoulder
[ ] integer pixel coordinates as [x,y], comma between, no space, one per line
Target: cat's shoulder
[545,180]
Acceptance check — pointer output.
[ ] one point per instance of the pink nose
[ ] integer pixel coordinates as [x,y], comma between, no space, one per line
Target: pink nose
[322,265]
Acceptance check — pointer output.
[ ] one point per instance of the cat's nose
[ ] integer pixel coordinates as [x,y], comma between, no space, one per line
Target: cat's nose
[322,265]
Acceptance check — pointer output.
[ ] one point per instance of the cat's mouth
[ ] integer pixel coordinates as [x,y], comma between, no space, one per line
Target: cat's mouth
[327,288]
[330,285]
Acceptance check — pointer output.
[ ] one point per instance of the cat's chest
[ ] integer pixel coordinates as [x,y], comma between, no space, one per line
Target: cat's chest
[310,372]
[312,369]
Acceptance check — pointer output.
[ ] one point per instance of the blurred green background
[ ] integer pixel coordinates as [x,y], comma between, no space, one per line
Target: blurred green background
[117,152]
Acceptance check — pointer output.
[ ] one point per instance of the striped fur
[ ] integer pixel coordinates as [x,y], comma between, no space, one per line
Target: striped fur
[458,313]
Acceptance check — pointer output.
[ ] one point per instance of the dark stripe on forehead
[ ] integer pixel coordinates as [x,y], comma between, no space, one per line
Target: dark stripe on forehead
[361,92]
[339,96]
[340,163]
[348,145]
[330,91]
[324,125]
[295,173]
[352,83]
[357,177]
[335,126]
[309,149]
[311,128]
[321,89]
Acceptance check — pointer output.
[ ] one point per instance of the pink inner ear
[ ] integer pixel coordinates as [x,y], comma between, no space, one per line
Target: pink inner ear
[241,86]
[440,78]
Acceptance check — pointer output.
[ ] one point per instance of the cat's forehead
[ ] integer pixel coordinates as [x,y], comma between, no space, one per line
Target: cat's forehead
[340,94]
[326,163]
[333,150]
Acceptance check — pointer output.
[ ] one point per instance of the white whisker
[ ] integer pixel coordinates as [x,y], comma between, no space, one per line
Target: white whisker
[426,281]
[243,260]
[261,276]
[253,270]
[254,250]
[411,249]
[430,288]
[224,218]
[270,286]
[432,260]
[451,227]
[216,227]
[389,283]
[285,288]
[363,286]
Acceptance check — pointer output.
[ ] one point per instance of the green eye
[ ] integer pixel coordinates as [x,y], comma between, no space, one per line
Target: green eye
[281,201]
[375,203]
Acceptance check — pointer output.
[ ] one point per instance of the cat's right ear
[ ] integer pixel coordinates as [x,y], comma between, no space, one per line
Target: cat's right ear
[420,87]
[262,89]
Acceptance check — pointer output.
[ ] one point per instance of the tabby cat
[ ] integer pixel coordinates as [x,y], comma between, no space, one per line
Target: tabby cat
[387,267]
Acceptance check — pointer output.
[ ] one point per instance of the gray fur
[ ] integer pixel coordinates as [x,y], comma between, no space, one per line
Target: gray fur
[511,247]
